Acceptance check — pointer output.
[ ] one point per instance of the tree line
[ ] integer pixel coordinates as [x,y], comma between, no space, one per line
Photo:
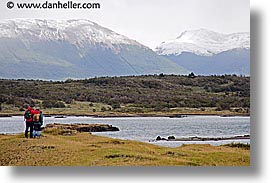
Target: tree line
[160,92]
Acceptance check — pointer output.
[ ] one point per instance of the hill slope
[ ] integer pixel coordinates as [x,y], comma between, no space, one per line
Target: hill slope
[50,49]
[136,94]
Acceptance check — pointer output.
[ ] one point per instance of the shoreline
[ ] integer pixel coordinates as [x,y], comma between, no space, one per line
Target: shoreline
[203,139]
[180,115]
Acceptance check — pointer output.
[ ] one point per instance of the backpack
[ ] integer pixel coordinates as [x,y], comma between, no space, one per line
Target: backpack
[36,117]
[27,114]
[41,118]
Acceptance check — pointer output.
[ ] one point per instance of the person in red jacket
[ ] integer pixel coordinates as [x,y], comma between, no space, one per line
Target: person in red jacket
[37,123]
[29,121]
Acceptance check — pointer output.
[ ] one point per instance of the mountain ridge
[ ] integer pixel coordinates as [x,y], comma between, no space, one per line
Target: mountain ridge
[61,49]
[204,42]
[206,52]
[50,29]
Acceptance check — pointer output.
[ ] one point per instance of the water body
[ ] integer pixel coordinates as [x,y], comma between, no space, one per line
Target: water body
[146,129]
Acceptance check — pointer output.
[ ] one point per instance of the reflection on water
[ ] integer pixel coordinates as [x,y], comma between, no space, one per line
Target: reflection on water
[148,128]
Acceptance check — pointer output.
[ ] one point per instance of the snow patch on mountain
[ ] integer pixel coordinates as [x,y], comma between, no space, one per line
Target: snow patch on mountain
[204,42]
[78,32]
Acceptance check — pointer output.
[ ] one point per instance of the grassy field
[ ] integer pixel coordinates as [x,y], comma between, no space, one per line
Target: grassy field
[84,149]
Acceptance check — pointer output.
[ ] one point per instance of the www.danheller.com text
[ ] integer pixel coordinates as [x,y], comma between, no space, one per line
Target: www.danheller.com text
[54,5]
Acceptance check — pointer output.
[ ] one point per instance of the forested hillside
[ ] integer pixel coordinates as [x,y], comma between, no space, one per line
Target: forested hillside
[132,93]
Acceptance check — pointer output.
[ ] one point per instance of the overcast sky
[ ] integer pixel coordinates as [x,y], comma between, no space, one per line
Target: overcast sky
[150,21]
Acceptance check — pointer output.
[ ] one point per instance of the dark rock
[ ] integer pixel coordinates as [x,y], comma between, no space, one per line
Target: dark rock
[158,138]
[171,137]
[60,117]
[81,127]
[178,116]
[195,138]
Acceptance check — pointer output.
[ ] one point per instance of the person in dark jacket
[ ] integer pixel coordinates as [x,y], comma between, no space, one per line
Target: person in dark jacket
[29,121]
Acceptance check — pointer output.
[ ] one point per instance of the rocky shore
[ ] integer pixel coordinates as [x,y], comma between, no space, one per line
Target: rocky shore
[69,129]
[195,138]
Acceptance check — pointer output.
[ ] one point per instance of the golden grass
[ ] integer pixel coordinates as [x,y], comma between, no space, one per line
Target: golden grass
[84,149]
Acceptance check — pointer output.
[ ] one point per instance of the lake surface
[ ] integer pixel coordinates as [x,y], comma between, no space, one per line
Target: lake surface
[146,129]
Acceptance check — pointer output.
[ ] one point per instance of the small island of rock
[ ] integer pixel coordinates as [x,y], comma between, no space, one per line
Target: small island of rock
[68,129]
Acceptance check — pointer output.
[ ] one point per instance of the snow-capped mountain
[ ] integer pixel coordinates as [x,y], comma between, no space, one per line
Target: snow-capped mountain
[204,42]
[74,31]
[207,52]
[60,49]
[78,32]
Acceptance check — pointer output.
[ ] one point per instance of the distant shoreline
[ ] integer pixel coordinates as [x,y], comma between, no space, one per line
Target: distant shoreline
[183,115]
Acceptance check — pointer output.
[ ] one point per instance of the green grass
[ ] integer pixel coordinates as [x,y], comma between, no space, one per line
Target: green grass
[78,108]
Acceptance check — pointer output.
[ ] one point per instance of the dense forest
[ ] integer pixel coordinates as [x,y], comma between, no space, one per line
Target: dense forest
[157,92]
